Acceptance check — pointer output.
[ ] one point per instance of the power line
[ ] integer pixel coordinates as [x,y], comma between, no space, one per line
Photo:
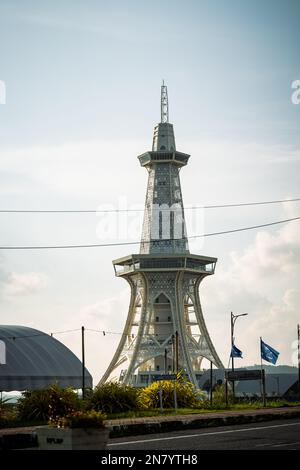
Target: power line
[14,337]
[95,211]
[103,332]
[249,203]
[133,335]
[100,245]
[252,227]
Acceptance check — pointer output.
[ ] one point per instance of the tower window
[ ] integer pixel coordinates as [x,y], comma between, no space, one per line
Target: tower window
[157,367]
[157,319]
[162,147]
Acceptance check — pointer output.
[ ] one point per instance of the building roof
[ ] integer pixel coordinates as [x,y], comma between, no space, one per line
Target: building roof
[36,360]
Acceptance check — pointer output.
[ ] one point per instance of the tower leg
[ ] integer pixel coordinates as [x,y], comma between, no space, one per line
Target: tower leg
[126,338]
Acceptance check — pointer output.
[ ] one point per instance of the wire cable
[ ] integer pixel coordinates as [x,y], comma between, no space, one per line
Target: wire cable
[39,334]
[95,211]
[100,245]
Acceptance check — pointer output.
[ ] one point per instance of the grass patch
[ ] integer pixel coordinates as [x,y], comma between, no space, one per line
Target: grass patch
[183,411]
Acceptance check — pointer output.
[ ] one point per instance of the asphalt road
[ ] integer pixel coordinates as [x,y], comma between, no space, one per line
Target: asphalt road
[272,435]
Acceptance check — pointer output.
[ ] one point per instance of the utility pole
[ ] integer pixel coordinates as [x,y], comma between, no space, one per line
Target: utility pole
[83,362]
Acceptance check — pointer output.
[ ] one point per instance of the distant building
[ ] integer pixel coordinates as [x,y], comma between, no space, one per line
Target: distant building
[35,360]
[278,384]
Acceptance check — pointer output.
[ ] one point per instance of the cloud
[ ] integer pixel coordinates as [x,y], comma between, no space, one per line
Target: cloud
[20,284]
[88,167]
[74,168]
[262,280]
[109,314]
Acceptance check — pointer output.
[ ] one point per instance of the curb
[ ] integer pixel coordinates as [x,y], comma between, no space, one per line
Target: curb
[25,438]
[195,422]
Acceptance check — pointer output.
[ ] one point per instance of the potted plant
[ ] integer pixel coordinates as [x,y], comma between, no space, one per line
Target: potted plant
[79,430]
[70,426]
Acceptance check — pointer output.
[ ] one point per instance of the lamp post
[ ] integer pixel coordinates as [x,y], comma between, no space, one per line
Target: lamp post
[233,319]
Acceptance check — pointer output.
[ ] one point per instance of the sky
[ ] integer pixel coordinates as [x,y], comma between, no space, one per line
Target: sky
[82,82]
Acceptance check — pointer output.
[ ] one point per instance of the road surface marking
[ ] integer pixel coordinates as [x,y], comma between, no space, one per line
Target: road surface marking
[263,445]
[285,444]
[188,436]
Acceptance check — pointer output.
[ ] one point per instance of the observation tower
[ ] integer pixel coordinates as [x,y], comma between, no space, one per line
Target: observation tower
[165,331]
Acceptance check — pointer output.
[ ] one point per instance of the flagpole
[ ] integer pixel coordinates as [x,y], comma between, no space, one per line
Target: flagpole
[298,331]
[260,355]
[261,368]
[262,379]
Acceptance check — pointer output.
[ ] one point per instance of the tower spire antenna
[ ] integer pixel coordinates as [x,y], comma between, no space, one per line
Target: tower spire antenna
[164,103]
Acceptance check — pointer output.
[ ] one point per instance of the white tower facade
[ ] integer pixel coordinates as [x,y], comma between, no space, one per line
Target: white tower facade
[165,329]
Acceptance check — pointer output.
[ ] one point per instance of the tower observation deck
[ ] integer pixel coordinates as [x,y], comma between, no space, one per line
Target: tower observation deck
[165,329]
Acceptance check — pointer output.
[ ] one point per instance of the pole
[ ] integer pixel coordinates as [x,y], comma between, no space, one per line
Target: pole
[264,387]
[177,351]
[298,331]
[83,362]
[173,354]
[211,383]
[226,391]
[160,396]
[175,395]
[232,343]
[166,361]
[262,379]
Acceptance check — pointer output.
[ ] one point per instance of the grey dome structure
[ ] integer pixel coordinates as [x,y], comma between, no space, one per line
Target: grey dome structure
[31,359]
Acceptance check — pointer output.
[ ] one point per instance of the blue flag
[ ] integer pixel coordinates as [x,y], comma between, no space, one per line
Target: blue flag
[236,352]
[268,353]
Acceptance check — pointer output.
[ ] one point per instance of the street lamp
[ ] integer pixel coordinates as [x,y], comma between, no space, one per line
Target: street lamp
[233,319]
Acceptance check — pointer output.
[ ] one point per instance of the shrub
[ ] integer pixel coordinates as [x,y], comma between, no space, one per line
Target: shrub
[187,395]
[219,396]
[48,404]
[83,419]
[113,397]
[3,406]
[8,413]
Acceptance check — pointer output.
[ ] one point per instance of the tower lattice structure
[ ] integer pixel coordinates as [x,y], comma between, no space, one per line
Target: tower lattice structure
[165,329]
